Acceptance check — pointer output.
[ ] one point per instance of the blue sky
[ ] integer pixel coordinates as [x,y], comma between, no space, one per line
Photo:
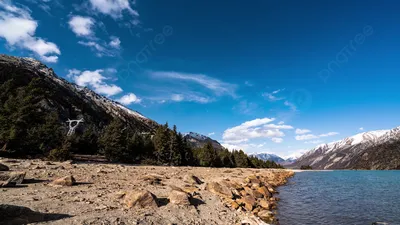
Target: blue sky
[264,76]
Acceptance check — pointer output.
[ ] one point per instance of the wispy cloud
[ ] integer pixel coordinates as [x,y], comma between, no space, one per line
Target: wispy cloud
[211,134]
[312,136]
[84,27]
[306,137]
[215,85]
[18,28]
[361,128]
[329,134]
[291,105]
[272,96]
[313,142]
[302,131]
[254,129]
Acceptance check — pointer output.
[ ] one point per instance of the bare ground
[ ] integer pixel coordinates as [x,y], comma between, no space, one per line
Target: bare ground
[96,197]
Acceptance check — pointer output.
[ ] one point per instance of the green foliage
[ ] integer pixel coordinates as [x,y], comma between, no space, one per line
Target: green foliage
[114,142]
[61,154]
[306,167]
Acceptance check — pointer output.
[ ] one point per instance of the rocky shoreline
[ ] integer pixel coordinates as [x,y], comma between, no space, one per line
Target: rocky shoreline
[100,193]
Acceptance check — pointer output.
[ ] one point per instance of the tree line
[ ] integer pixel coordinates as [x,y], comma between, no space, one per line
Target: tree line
[27,129]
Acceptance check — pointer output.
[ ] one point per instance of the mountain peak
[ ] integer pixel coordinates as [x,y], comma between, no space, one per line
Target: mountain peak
[346,153]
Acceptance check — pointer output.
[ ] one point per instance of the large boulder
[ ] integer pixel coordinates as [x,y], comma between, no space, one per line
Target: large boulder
[248,201]
[192,179]
[13,179]
[265,204]
[4,167]
[264,191]
[219,189]
[140,199]
[266,216]
[64,181]
[179,198]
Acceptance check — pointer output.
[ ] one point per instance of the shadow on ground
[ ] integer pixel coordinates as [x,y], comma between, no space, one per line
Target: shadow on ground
[16,215]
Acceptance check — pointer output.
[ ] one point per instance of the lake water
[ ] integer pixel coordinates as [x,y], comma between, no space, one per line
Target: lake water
[340,197]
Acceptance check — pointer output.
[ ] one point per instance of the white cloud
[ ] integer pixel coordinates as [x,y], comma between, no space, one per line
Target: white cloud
[312,136]
[18,28]
[211,134]
[95,80]
[361,128]
[101,49]
[113,8]
[115,42]
[283,127]
[277,140]
[281,122]
[291,105]
[272,96]
[73,72]
[302,131]
[305,137]
[258,128]
[82,26]
[177,98]
[329,134]
[213,84]
[129,99]
[313,142]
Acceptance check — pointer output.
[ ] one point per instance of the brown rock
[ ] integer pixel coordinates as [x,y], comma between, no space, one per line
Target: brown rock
[252,179]
[264,191]
[192,179]
[219,189]
[64,181]
[270,188]
[235,205]
[264,204]
[153,179]
[179,198]
[243,193]
[257,194]
[175,188]
[190,189]
[266,216]
[4,167]
[13,179]
[120,194]
[140,199]
[248,201]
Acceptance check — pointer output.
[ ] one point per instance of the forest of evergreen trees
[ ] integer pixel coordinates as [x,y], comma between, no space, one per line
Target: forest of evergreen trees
[29,130]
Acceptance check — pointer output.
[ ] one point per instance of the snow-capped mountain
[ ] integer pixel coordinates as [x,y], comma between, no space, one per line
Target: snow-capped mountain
[357,152]
[69,100]
[275,158]
[197,140]
[269,157]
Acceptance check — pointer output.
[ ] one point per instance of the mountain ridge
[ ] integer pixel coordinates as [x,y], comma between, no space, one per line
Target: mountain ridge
[355,152]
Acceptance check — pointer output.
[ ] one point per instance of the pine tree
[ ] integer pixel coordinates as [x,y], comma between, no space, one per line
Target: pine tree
[162,144]
[114,142]
[207,156]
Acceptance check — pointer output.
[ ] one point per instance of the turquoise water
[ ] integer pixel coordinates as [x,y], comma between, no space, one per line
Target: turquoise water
[341,197]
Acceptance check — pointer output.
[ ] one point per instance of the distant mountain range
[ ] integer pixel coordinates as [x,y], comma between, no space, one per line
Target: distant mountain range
[378,150]
[273,157]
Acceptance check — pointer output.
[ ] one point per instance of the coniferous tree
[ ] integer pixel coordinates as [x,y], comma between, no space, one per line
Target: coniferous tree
[162,144]
[114,142]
